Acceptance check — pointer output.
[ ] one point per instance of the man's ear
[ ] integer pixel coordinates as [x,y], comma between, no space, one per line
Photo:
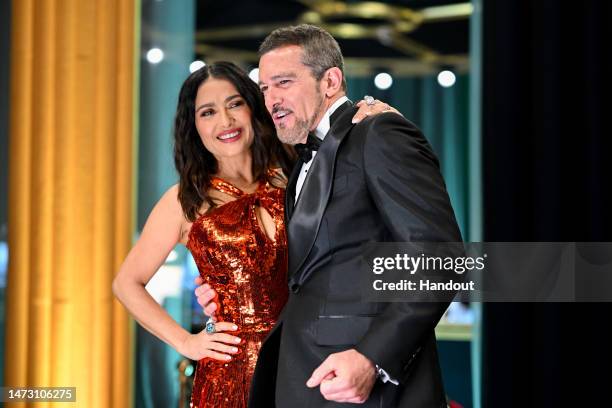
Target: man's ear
[332,82]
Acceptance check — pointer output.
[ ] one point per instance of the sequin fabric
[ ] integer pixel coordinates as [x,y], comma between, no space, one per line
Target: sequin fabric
[248,271]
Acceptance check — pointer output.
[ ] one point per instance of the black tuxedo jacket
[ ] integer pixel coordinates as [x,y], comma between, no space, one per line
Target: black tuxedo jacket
[375,181]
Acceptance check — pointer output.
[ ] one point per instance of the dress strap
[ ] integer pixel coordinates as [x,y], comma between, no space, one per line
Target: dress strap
[228,188]
[225,187]
[264,183]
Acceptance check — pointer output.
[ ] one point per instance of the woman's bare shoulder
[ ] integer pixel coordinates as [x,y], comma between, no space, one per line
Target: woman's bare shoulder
[173,204]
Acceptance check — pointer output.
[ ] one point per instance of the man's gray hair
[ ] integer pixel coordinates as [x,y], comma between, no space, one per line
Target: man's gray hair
[320,50]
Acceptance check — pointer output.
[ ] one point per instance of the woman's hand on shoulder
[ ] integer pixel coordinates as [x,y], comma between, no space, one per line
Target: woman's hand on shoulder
[374,108]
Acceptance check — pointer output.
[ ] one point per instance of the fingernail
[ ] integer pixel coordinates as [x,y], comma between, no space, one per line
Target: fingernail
[309,382]
[237,340]
[235,327]
[234,349]
[354,121]
[228,357]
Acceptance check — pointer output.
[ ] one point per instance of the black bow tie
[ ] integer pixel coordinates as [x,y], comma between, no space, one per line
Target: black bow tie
[305,150]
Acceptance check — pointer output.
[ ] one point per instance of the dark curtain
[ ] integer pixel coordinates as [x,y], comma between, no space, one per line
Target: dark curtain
[546,169]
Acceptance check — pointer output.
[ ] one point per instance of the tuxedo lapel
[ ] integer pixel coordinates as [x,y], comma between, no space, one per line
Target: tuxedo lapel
[290,191]
[305,218]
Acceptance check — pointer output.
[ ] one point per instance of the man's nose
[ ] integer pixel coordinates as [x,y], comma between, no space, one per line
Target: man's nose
[273,99]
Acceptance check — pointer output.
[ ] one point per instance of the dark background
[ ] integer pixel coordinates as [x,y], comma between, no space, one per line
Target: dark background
[546,167]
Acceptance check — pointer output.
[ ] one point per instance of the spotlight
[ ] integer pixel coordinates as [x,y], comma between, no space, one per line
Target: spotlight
[254,75]
[383,81]
[446,78]
[155,55]
[195,65]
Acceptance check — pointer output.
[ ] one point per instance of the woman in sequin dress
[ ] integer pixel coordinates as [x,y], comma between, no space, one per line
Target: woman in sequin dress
[227,209]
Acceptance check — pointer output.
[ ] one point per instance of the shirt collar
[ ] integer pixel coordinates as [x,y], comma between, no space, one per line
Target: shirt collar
[323,126]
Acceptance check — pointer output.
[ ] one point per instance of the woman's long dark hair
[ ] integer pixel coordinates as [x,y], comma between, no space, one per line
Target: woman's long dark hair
[195,164]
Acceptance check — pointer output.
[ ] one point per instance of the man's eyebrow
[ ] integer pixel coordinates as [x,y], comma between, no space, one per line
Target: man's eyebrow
[279,76]
[208,105]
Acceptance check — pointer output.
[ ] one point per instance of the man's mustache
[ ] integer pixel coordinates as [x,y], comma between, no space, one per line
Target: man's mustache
[276,109]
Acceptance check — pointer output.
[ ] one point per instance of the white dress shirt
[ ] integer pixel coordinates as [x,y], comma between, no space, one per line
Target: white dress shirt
[320,132]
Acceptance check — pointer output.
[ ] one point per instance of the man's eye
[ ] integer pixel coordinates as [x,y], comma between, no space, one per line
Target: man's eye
[284,81]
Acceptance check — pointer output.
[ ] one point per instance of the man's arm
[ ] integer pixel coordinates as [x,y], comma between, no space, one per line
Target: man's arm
[404,180]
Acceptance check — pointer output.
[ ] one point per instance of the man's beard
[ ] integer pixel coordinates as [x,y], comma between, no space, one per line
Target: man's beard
[298,133]
[295,134]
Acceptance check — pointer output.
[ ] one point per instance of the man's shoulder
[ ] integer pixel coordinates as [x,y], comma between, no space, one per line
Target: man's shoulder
[385,119]
[383,127]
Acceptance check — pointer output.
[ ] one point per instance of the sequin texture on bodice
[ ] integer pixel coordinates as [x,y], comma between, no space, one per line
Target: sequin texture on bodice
[248,271]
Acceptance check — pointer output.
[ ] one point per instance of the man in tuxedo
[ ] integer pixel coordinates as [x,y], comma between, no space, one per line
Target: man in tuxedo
[376,181]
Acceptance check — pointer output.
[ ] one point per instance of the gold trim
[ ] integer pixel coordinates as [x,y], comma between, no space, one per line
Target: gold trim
[401,18]
[397,21]
[239,32]
[447,13]
[353,66]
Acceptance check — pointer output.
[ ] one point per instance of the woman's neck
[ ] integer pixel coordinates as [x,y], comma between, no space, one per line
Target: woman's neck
[237,169]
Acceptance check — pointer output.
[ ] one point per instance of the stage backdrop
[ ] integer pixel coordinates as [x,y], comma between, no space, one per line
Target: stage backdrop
[72,104]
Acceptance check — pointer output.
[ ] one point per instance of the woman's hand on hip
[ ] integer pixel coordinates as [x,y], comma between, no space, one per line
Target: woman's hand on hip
[219,345]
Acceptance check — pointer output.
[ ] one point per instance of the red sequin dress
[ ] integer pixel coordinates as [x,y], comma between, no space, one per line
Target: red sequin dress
[248,271]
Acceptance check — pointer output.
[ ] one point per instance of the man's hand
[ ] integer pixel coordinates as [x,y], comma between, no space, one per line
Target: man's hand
[206,297]
[348,376]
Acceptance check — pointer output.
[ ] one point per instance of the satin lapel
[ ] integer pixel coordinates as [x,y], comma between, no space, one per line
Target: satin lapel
[305,221]
[290,191]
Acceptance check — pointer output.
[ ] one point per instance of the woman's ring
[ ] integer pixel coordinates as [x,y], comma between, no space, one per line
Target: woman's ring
[210,326]
[369,100]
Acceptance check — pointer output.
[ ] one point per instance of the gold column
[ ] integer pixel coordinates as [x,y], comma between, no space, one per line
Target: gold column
[72,127]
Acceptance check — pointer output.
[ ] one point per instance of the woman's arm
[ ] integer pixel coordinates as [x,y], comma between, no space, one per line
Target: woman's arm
[160,234]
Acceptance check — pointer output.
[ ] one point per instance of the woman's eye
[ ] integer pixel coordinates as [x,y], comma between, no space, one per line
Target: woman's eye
[206,113]
[236,104]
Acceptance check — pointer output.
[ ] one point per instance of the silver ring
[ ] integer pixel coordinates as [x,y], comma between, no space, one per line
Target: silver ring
[369,100]
[210,326]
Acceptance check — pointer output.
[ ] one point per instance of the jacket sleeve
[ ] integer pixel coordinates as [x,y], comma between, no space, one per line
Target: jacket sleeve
[404,180]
